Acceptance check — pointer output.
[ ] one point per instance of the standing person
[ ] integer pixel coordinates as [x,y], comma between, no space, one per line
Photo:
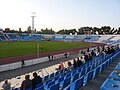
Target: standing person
[49,57]
[27,83]
[6,85]
[52,57]
[36,80]
[65,55]
[23,63]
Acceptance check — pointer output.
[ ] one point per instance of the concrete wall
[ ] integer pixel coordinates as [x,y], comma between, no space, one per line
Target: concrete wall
[16,65]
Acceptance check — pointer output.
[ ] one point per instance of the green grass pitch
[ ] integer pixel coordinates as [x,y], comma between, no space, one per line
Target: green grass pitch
[12,49]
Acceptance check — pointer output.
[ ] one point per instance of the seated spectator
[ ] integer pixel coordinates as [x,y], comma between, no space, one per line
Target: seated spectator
[6,85]
[86,58]
[70,67]
[61,66]
[27,83]
[93,53]
[90,57]
[36,80]
[74,64]
[79,62]
[82,59]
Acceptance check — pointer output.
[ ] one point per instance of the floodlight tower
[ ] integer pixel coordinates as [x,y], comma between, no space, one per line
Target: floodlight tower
[33,16]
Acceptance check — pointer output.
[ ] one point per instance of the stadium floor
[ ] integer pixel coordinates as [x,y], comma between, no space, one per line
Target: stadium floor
[93,84]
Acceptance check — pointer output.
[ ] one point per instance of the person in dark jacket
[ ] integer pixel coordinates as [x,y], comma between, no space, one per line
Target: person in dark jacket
[79,62]
[36,80]
[27,83]
[74,64]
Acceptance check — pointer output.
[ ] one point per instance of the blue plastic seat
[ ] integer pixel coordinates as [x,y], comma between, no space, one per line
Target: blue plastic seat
[60,79]
[88,69]
[48,81]
[78,83]
[67,75]
[64,83]
[75,85]
[61,71]
[46,78]
[79,69]
[74,77]
[40,88]
[51,75]
[54,87]
[96,71]
[49,84]
[39,85]
[73,72]
[56,78]
[88,77]
[82,73]
[56,73]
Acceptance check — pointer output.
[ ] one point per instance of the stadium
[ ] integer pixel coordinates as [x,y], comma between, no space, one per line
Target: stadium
[62,45]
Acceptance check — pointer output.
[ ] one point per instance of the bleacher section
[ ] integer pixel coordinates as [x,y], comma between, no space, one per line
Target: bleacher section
[108,39]
[48,36]
[112,82]
[70,79]
[3,38]
[58,37]
[68,37]
[26,37]
[79,37]
[12,37]
[91,38]
[104,38]
[37,37]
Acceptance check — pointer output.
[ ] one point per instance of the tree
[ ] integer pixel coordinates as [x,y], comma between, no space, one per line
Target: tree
[118,31]
[105,29]
[65,31]
[46,31]
[81,31]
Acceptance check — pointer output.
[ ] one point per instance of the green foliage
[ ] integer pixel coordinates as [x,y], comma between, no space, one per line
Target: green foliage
[11,49]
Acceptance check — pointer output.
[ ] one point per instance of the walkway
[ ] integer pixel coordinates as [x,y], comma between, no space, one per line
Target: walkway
[96,83]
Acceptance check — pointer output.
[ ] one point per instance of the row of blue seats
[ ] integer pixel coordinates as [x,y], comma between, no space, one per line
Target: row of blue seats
[91,74]
[85,73]
[20,37]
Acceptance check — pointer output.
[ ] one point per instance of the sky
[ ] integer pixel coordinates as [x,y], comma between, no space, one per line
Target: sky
[59,14]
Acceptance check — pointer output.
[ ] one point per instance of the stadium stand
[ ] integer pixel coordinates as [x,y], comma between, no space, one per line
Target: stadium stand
[3,38]
[112,82]
[104,37]
[12,37]
[79,37]
[107,39]
[91,38]
[69,37]
[48,36]
[37,37]
[68,80]
[26,37]
[58,37]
